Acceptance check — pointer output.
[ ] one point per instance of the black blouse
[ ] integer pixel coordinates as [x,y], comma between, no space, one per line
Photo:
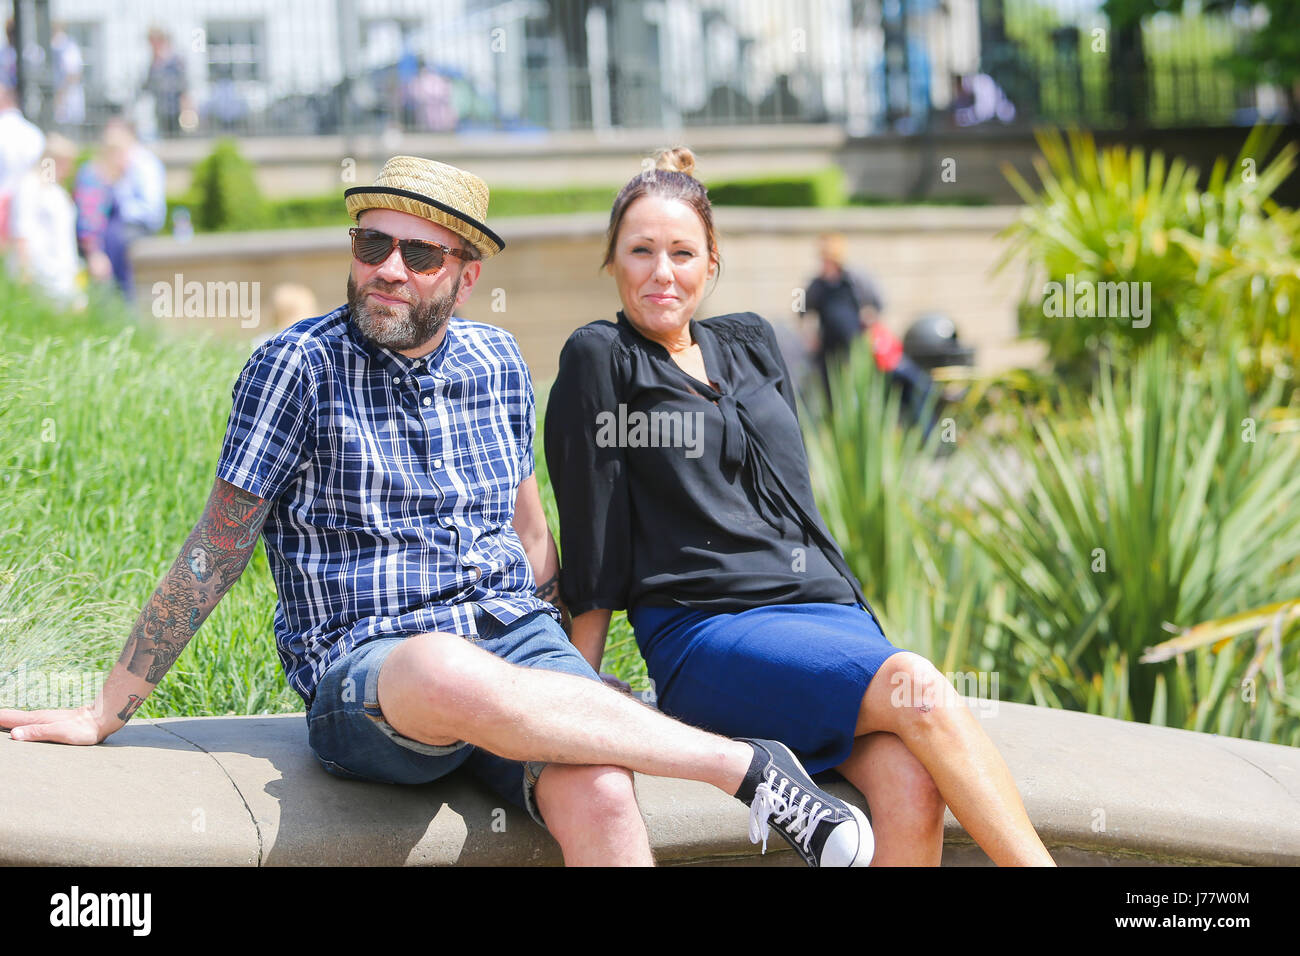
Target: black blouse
[672,493]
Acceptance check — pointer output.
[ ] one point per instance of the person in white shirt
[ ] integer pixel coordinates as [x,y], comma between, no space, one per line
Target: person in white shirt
[21,143]
[44,226]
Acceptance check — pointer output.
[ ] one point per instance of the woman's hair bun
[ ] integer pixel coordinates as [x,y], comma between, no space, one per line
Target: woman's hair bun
[679,159]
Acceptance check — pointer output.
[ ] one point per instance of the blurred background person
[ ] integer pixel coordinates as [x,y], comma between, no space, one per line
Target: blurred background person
[21,143]
[120,197]
[93,197]
[139,200]
[33,58]
[849,304]
[44,226]
[290,302]
[846,303]
[69,92]
[430,101]
[166,82]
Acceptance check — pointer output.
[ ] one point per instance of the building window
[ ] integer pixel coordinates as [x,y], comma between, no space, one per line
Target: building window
[236,50]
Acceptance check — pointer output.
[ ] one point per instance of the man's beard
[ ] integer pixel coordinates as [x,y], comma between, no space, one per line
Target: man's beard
[400,328]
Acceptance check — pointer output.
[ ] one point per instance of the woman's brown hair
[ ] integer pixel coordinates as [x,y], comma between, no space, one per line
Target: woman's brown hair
[671,178]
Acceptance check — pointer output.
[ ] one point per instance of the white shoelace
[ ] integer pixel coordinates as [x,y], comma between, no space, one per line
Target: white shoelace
[772,802]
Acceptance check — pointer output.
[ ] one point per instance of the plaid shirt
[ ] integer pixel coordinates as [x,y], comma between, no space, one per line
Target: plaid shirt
[393,482]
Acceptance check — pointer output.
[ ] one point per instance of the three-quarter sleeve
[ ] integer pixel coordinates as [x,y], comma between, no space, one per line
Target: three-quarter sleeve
[589,476]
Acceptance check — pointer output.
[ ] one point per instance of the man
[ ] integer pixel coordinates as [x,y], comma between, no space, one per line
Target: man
[849,304]
[166,82]
[846,303]
[384,453]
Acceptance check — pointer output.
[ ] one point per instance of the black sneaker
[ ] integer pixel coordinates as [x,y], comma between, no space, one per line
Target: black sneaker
[824,830]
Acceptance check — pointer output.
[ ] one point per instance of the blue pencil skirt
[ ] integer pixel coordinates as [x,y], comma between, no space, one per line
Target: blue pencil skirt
[790,672]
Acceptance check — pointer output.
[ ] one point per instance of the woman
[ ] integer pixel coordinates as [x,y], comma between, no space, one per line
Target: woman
[679,470]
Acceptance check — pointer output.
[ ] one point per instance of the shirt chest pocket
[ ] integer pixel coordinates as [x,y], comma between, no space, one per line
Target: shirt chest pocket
[489,466]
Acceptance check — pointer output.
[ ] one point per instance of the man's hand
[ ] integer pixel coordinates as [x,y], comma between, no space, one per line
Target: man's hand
[74,726]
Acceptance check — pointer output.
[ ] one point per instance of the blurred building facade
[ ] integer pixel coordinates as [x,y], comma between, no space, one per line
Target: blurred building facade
[324,66]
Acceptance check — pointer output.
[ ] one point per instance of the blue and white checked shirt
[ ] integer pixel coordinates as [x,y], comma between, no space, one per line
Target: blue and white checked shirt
[394,484]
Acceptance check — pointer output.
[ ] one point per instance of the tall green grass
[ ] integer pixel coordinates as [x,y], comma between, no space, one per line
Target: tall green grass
[109,441]
[1169,502]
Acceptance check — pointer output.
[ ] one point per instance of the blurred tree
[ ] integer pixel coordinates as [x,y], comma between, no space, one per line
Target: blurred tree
[1128,71]
[1272,53]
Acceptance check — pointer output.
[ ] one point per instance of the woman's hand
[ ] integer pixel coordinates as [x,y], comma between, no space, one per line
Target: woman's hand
[611,681]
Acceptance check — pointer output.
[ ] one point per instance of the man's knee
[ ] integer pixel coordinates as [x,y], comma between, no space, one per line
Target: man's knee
[427,682]
[598,794]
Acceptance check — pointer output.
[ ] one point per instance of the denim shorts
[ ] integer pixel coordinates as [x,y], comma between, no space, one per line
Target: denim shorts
[349,736]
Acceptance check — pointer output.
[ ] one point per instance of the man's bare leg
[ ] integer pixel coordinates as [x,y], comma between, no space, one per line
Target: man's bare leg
[439,689]
[906,806]
[592,813]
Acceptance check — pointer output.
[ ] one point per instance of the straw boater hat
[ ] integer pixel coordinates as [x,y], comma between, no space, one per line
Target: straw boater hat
[442,194]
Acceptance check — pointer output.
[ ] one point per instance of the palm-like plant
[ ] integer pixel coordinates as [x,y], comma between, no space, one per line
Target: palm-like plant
[865,469]
[1246,705]
[1221,262]
[1102,216]
[1168,504]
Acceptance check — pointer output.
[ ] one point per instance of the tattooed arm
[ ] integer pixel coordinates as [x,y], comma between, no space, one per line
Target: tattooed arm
[210,561]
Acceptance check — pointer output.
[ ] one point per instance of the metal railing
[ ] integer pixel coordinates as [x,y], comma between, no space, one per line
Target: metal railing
[255,67]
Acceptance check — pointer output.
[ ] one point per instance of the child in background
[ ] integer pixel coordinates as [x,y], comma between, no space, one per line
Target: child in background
[93,194]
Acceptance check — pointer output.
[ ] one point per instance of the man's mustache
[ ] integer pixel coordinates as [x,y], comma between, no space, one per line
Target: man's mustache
[394,293]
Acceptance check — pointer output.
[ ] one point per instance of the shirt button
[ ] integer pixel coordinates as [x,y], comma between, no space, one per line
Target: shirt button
[397,380]
[428,400]
[437,463]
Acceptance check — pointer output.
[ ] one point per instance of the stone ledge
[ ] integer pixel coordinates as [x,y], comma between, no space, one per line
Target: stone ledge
[155,251]
[246,791]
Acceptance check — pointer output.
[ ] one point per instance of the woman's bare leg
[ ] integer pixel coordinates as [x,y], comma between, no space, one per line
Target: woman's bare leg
[910,698]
